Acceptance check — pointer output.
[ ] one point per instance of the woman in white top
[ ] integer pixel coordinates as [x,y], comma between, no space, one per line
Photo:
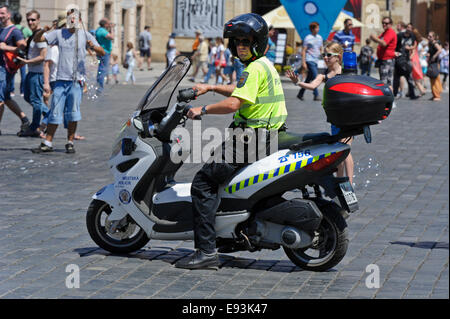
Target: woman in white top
[171,49]
[220,62]
[130,59]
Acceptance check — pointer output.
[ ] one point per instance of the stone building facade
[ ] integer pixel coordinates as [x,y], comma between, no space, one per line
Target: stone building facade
[160,17]
[129,22]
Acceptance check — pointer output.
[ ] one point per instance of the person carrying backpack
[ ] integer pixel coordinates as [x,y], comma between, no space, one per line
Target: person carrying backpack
[11,41]
[406,42]
[365,58]
[17,19]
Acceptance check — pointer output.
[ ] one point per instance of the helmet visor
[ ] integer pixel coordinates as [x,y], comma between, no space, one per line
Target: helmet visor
[237,29]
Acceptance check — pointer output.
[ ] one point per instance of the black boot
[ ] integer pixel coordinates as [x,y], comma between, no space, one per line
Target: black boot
[199,260]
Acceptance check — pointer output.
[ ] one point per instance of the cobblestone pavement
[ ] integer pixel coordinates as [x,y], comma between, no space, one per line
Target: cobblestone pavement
[402,225]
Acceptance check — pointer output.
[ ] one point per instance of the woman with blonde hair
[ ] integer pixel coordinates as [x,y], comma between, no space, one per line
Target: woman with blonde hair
[417,73]
[130,62]
[220,62]
[333,60]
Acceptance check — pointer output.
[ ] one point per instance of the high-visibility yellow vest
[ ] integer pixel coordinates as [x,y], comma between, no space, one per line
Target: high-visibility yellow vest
[260,86]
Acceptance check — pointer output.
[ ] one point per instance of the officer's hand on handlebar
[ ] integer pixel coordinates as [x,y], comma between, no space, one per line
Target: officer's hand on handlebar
[195,113]
[201,88]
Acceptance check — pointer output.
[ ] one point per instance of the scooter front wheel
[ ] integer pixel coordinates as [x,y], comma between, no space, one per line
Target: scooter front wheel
[120,238]
[329,245]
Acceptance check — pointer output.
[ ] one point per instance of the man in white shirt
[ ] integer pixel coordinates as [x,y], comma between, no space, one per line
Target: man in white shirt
[202,62]
[312,48]
[171,49]
[34,81]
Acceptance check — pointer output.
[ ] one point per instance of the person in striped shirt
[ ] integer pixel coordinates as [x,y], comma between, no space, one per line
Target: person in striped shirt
[345,37]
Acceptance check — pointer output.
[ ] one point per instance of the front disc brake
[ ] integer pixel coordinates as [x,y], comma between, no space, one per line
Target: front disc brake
[121,229]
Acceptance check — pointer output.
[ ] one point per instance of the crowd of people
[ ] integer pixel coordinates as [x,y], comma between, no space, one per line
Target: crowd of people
[407,54]
[402,58]
[47,65]
[53,58]
[214,59]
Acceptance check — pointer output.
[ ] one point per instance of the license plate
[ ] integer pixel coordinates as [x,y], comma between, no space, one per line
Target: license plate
[349,195]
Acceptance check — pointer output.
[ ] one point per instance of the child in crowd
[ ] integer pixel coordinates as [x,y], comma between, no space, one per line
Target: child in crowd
[333,59]
[115,67]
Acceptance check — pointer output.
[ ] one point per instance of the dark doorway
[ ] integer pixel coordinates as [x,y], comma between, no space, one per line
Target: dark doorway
[261,7]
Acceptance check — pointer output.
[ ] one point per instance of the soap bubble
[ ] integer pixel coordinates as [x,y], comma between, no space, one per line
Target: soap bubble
[367,171]
[90,90]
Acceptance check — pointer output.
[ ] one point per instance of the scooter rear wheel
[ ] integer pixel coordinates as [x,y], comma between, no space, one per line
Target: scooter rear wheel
[329,246]
[127,238]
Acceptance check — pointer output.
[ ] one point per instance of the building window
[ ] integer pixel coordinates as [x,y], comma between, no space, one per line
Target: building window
[261,7]
[138,22]
[108,11]
[122,34]
[205,15]
[91,11]
[14,5]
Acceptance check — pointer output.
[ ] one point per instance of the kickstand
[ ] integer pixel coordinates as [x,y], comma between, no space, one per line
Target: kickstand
[247,243]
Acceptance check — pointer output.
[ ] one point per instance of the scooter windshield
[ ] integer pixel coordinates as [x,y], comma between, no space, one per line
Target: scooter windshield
[160,93]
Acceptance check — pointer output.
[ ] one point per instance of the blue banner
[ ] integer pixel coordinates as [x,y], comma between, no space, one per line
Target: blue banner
[303,12]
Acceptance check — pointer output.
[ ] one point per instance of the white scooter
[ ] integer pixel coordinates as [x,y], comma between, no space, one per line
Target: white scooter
[144,204]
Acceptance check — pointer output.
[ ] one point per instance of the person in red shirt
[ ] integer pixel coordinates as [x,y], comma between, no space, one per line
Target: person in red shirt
[387,42]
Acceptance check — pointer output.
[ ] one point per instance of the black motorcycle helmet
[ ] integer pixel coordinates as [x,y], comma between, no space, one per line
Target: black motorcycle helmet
[244,25]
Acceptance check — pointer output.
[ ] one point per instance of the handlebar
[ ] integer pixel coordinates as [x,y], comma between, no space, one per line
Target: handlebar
[186,110]
[187,95]
[163,129]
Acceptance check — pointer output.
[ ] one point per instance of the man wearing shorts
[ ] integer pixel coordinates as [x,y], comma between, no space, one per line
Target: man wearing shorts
[72,44]
[145,38]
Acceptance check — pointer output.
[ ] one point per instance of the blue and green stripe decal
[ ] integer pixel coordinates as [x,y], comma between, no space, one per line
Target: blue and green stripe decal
[275,172]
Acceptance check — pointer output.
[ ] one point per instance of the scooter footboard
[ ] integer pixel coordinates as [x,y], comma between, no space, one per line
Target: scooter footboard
[225,226]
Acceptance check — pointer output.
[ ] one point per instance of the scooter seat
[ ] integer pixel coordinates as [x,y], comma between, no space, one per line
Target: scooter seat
[286,139]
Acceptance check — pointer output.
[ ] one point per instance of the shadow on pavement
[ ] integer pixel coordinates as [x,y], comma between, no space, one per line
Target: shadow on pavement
[423,244]
[171,256]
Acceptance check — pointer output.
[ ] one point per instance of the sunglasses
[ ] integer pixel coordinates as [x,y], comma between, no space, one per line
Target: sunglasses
[31,19]
[329,55]
[384,23]
[244,42]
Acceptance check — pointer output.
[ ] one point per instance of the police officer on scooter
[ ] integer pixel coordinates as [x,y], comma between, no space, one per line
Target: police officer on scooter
[258,103]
